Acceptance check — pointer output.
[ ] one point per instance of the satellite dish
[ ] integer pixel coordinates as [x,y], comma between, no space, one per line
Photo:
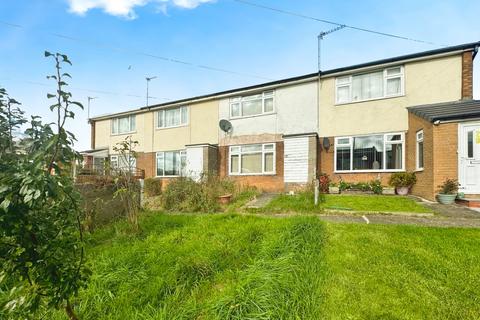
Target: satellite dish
[225,125]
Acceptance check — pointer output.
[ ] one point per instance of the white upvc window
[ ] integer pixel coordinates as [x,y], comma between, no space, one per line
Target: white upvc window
[171,163]
[253,105]
[378,84]
[419,154]
[252,159]
[172,117]
[370,153]
[123,162]
[122,125]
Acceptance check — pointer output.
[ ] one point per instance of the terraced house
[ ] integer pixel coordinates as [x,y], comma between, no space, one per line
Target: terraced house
[409,113]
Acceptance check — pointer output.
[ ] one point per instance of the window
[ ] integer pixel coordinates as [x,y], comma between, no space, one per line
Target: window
[470,144]
[171,163]
[173,117]
[379,152]
[252,105]
[123,124]
[252,159]
[419,158]
[123,163]
[373,85]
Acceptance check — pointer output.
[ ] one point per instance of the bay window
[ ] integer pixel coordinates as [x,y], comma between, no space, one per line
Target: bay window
[123,125]
[171,163]
[252,159]
[173,117]
[372,85]
[379,152]
[252,105]
[419,157]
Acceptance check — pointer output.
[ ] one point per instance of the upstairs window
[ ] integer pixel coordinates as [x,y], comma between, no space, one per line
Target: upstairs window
[252,105]
[367,86]
[123,125]
[173,117]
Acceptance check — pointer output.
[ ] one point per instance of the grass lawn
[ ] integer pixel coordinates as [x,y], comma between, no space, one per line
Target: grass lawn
[249,267]
[304,203]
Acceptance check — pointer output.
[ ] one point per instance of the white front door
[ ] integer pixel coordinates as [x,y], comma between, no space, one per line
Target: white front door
[469,158]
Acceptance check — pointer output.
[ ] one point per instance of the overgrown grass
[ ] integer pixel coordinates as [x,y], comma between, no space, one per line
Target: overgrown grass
[402,272]
[247,267]
[304,203]
[206,267]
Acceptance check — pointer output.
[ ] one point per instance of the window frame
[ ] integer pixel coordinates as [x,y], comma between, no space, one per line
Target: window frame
[163,111]
[132,165]
[117,120]
[386,77]
[264,151]
[267,94]
[384,157]
[419,137]
[182,153]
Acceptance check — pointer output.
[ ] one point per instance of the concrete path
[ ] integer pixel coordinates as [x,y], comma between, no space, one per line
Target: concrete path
[261,201]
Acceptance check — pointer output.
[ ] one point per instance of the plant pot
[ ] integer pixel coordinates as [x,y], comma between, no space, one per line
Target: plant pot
[388,191]
[461,195]
[402,191]
[225,199]
[446,198]
[333,190]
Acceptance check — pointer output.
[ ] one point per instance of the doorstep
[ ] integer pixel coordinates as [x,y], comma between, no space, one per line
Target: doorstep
[469,202]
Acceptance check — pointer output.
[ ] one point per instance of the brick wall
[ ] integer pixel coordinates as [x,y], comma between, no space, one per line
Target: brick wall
[424,186]
[445,142]
[268,183]
[92,135]
[467,75]
[146,161]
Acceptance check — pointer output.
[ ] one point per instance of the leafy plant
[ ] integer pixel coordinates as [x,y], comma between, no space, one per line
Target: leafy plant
[42,259]
[342,185]
[403,179]
[324,182]
[376,186]
[153,187]
[449,186]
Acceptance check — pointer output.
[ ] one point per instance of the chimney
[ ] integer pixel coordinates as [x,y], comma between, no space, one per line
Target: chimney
[467,75]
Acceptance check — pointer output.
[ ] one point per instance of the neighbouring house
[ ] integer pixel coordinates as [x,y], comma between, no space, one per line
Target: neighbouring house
[354,123]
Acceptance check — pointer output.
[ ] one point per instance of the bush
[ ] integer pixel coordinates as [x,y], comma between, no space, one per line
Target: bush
[403,179]
[376,186]
[153,187]
[449,186]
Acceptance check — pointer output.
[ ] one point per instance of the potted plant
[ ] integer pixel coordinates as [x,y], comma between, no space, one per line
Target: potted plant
[447,191]
[403,181]
[333,188]
[225,199]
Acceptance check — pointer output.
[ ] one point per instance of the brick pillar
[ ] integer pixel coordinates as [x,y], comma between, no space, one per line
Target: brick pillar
[467,75]
[92,135]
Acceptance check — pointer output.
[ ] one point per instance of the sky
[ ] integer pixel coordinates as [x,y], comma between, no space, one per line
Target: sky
[115,44]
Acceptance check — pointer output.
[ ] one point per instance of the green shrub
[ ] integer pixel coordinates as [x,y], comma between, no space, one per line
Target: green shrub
[403,179]
[153,187]
[342,185]
[376,186]
[449,186]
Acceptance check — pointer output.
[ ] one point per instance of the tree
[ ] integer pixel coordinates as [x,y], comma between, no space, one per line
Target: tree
[42,260]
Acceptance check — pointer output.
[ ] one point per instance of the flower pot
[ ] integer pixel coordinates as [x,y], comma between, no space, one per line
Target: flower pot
[225,199]
[446,198]
[461,195]
[402,191]
[333,190]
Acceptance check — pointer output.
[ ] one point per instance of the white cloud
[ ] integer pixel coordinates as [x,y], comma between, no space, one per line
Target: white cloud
[125,8]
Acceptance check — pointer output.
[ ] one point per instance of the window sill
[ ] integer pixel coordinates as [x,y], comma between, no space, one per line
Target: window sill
[368,171]
[173,127]
[368,100]
[160,177]
[419,170]
[122,134]
[254,116]
[251,174]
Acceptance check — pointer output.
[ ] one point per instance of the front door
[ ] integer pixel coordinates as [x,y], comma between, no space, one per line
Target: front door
[469,158]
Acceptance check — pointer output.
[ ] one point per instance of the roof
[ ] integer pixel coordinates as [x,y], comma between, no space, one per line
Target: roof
[473,46]
[448,111]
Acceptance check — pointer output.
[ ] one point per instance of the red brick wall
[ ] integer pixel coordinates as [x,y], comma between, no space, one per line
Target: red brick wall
[268,183]
[92,135]
[445,145]
[146,161]
[467,75]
